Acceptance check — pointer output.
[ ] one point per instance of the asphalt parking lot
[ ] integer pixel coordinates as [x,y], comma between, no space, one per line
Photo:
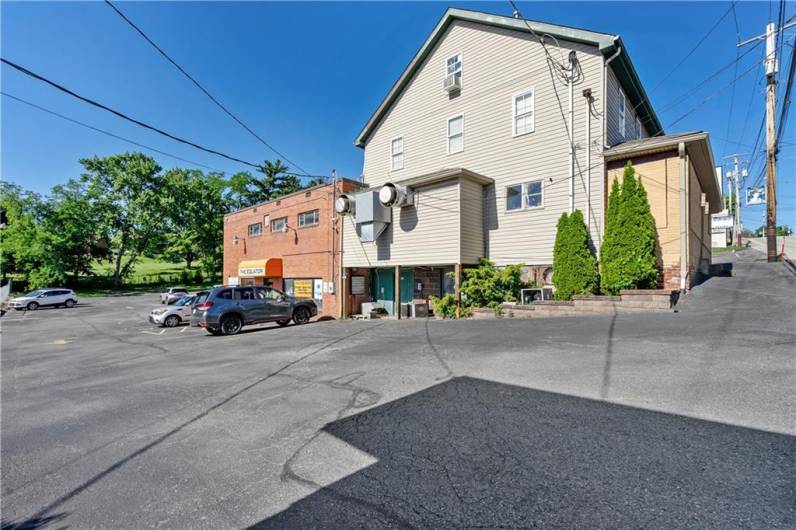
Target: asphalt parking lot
[653,420]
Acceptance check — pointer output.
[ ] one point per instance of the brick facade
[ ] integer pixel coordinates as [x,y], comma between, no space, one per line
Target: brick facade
[307,253]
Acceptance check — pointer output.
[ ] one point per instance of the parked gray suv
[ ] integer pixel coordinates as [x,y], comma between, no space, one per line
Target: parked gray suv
[227,309]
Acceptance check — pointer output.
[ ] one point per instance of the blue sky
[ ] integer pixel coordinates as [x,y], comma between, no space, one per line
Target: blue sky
[306,76]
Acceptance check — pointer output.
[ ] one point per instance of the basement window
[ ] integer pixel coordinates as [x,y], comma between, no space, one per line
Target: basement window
[255,229]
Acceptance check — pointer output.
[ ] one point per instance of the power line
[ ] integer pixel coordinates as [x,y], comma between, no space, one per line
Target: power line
[124,116]
[67,118]
[734,74]
[204,90]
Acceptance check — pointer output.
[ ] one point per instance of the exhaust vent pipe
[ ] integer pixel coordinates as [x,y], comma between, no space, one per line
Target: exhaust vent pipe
[395,196]
[345,205]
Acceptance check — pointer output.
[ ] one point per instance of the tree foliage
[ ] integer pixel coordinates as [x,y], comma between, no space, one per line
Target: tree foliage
[574,265]
[122,208]
[628,258]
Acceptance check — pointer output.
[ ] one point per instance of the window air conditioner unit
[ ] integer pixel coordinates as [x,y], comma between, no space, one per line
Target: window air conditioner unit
[529,296]
[452,83]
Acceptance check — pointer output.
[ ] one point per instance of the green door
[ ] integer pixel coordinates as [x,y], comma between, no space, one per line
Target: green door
[407,285]
[384,289]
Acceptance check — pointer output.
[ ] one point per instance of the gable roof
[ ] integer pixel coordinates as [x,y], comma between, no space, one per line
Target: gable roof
[606,43]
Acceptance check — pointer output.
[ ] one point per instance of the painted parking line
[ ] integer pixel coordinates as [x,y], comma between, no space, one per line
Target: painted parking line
[162,331]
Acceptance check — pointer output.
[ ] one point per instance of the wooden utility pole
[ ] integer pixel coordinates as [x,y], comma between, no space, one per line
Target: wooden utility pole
[771,141]
[772,67]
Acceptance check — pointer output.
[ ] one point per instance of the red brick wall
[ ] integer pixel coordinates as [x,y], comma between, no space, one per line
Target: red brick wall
[309,252]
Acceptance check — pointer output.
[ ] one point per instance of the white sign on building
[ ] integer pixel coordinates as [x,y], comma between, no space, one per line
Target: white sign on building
[755,196]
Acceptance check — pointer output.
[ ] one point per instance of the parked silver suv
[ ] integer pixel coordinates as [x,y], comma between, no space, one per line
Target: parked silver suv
[227,309]
[44,297]
[172,294]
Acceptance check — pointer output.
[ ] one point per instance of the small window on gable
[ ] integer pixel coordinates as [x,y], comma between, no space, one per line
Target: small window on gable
[523,107]
[638,128]
[456,134]
[622,130]
[397,154]
[255,229]
[453,66]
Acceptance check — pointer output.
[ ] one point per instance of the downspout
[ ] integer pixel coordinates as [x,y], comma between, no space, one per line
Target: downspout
[683,212]
[589,99]
[571,84]
[605,89]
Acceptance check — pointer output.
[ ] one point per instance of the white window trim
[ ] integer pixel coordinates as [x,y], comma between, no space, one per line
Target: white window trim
[524,206]
[638,129]
[317,213]
[461,69]
[275,220]
[248,230]
[393,154]
[448,134]
[622,114]
[514,97]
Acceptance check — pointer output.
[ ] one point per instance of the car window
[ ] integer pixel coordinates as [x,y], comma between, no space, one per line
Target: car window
[244,293]
[34,294]
[180,290]
[271,294]
[226,294]
[51,293]
[185,300]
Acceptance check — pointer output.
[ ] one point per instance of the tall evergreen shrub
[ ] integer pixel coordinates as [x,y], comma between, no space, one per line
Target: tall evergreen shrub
[574,266]
[627,256]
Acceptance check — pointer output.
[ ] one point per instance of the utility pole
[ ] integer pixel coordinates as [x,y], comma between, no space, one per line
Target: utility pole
[772,67]
[733,179]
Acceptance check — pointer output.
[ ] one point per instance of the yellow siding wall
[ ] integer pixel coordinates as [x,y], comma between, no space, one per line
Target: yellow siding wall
[660,175]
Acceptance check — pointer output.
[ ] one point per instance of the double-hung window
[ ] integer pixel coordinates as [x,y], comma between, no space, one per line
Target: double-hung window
[255,229]
[638,128]
[279,225]
[523,111]
[453,66]
[456,134]
[622,130]
[527,195]
[308,218]
[397,154]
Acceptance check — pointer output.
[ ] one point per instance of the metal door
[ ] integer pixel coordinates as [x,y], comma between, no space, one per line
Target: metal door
[384,289]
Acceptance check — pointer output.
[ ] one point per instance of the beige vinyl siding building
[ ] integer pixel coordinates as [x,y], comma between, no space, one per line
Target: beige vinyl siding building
[476,131]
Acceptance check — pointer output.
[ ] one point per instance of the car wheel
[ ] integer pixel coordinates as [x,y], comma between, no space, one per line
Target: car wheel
[301,315]
[230,325]
[69,303]
[283,323]
[33,306]
[172,321]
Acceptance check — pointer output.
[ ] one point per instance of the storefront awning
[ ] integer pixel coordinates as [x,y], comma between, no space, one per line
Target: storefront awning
[268,268]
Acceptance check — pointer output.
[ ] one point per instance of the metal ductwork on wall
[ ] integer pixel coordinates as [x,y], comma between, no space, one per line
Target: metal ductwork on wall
[395,195]
[372,216]
[345,205]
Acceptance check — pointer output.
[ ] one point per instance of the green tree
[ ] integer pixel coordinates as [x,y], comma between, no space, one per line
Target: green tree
[238,193]
[628,258]
[22,250]
[194,207]
[782,231]
[574,265]
[490,286]
[125,190]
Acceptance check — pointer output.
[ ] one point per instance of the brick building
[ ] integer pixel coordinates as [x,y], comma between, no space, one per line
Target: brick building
[290,243]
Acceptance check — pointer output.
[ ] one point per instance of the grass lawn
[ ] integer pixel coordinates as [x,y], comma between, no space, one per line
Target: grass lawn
[719,250]
[144,267]
[140,289]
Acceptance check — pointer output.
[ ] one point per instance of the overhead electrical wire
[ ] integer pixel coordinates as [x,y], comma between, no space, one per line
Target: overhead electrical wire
[734,74]
[212,98]
[86,125]
[124,116]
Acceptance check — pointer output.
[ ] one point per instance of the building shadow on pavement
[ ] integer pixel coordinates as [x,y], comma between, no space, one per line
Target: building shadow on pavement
[475,453]
[34,523]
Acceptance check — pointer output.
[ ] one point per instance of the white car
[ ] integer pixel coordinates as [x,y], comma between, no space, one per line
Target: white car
[174,314]
[172,294]
[44,297]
